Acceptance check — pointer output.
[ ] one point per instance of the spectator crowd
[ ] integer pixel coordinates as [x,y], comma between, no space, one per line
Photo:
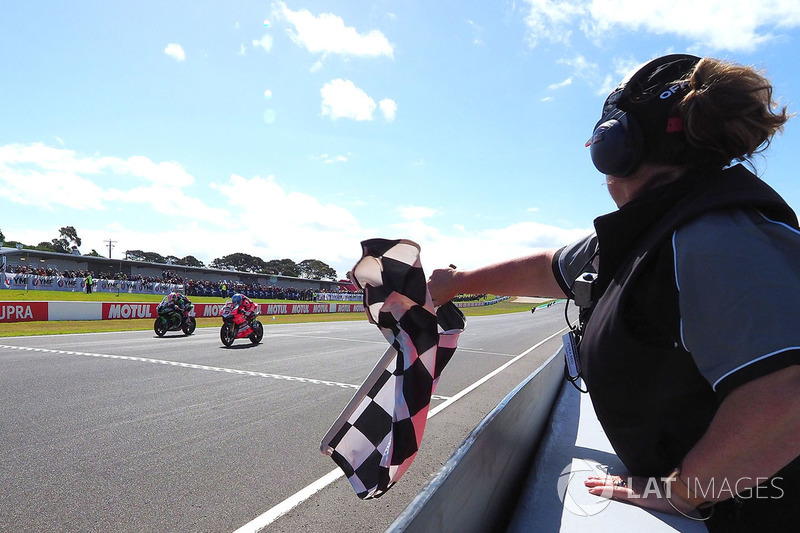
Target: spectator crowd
[192,287]
[220,288]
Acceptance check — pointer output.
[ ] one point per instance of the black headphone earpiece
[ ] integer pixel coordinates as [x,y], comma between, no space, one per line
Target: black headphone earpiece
[617,144]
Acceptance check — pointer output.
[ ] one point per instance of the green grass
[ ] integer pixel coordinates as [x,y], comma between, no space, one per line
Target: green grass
[95,326]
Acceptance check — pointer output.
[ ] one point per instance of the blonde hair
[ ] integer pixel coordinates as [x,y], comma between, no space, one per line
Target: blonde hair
[728,114]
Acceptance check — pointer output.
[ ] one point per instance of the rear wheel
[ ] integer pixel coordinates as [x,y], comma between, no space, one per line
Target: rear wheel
[227,334]
[190,325]
[160,326]
[258,332]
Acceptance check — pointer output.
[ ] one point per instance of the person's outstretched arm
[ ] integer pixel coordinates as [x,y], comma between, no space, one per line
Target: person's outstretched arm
[525,276]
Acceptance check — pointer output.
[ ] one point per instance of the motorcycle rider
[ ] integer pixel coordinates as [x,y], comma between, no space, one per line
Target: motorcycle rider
[182,304]
[244,310]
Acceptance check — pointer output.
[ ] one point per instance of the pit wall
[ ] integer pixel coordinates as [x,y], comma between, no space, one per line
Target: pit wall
[478,487]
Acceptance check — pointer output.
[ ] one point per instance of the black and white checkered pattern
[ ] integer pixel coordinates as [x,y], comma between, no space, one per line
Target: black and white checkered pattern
[380,438]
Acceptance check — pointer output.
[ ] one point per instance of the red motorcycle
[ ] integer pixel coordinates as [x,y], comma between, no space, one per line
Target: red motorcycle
[236,326]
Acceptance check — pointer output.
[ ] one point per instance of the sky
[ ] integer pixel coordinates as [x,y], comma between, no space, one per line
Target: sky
[295,129]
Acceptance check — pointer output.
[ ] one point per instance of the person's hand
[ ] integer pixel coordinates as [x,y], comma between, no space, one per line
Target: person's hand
[442,285]
[648,493]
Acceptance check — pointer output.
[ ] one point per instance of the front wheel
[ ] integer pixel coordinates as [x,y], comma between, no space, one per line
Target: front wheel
[227,334]
[258,332]
[190,325]
[160,326]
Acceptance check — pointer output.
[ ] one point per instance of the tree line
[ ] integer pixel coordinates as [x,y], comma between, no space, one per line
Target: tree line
[68,242]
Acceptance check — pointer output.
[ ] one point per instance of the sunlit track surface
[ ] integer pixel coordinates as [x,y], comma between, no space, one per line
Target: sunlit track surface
[131,432]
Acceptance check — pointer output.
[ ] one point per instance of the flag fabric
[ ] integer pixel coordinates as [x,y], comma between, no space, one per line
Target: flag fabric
[378,435]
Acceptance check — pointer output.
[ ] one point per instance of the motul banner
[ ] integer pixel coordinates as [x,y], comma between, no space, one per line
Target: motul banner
[207,310]
[64,310]
[115,311]
[306,309]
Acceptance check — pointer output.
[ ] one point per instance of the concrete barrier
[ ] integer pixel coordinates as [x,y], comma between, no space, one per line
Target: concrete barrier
[477,488]
[522,470]
[555,499]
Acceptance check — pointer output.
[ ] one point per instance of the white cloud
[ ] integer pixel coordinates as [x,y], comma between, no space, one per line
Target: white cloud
[560,85]
[477,39]
[175,51]
[327,34]
[325,231]
[580,66]
[388,108]
[415,212]
[327,158]
[733,25]
[130,192]
[551,20]
[67,179]
[342,99]
[265,43]
[471,249]
[134,190]
[717,24]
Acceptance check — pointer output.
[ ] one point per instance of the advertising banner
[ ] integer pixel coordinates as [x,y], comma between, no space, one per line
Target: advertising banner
[64,310]
[337,297]
[114,311]
[306,309]
[23,311]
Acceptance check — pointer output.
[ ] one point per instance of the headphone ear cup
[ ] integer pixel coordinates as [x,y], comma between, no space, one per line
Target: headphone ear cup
[617,145]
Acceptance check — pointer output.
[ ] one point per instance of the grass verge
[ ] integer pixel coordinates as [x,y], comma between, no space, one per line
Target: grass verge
[17,329]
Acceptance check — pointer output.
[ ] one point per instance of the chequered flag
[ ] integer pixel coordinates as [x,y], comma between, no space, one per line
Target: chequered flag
[379,433]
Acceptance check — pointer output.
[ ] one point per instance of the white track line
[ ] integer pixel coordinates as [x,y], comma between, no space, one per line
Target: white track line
[262,521]
[194,366]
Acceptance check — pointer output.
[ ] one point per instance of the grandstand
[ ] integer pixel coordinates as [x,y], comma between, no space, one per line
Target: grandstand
[36,261]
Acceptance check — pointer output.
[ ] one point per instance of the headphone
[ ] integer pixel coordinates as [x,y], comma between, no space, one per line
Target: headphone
[618,140]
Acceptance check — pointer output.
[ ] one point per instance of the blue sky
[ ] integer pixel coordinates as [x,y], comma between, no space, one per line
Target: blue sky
[296,129]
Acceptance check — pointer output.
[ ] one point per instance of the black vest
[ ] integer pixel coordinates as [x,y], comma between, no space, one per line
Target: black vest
[647,392]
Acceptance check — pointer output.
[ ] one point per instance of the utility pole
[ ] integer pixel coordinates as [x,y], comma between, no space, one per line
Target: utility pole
[110,246]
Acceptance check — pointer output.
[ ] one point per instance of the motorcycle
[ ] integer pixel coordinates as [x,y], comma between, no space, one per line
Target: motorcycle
[171,319]
[231,330]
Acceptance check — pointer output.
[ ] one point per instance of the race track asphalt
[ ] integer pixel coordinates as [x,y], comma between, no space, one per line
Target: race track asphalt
[124,432]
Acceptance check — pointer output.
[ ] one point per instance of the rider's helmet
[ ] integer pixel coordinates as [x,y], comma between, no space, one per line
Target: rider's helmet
[237,299]
[173,297]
